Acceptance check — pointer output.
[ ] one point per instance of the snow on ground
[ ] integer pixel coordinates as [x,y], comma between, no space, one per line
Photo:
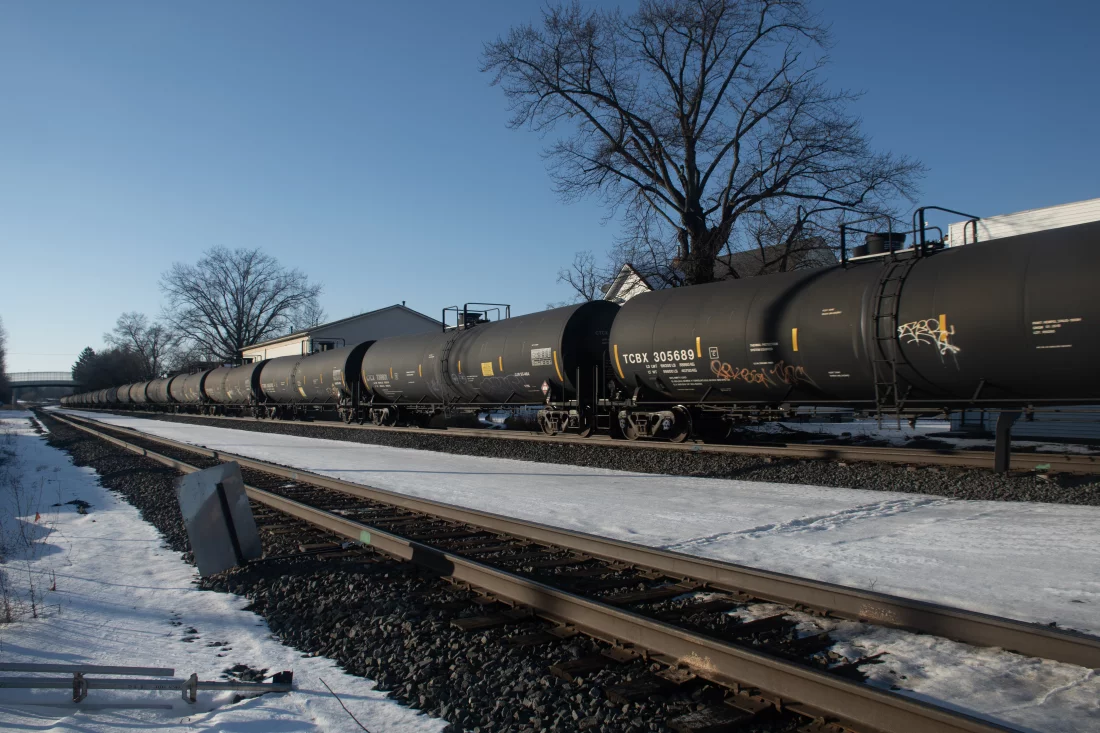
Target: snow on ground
[123,599]
[1035,562]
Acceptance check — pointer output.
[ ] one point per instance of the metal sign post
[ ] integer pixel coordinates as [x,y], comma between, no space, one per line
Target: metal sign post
[218,518]
[80,683]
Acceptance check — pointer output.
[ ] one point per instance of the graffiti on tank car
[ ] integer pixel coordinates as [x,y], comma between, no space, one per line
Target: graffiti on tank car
[789,374]
[778,373]
[505,385]
[722,370]
[932,331]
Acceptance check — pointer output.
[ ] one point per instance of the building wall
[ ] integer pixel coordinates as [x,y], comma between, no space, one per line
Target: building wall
[374,326]
[299,345]
[369,327]
[1024,222]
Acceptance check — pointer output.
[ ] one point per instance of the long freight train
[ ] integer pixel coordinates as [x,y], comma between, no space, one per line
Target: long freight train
[1009,323]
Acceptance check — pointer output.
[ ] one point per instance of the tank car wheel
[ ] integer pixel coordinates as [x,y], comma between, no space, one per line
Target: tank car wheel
[546,425]
[629,429]
[389,417]
[681,428]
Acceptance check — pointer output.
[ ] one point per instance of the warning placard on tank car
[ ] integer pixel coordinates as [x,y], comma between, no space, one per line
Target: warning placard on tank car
[541,357]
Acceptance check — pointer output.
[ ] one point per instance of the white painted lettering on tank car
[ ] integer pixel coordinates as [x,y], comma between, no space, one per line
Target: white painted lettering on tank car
[542,357]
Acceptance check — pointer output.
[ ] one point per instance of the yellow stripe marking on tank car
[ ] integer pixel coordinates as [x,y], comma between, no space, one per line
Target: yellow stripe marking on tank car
[460,366]
[943,327]
[556,368]
[420,370]
[617,364]
[391,372]
[794,339]
[698,348]
[500,363]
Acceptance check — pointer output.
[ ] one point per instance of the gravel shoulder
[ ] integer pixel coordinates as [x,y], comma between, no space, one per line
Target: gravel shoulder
[391,623]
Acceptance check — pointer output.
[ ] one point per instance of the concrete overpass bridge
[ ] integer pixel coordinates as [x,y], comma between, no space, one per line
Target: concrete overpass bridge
[23,380]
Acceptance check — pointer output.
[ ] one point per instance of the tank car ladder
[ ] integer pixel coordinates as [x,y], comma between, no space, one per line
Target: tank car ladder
[885,314]
[445,368]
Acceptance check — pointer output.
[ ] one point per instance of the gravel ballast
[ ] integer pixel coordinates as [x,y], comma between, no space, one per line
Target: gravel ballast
[953,482]
[390,622]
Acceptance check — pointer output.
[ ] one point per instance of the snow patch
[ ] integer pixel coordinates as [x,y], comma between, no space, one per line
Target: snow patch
[121,598]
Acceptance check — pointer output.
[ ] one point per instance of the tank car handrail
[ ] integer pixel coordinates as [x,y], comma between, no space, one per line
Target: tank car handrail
[845,226]
[465,311]
[918,216]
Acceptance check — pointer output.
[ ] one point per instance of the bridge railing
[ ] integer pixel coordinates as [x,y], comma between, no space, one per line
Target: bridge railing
[16,378]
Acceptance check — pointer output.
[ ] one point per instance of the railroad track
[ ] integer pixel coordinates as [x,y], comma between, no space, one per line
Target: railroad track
[603,587]
[1018,461]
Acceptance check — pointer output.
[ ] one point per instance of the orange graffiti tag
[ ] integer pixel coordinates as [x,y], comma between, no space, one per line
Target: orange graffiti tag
[781,371]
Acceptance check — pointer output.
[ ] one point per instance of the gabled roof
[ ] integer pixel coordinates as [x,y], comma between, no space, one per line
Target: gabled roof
[627,283]
[804,254]
[312,329]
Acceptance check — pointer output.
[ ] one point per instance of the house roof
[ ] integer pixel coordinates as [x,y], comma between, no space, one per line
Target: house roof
[804,254]
[627,277]
[312,329]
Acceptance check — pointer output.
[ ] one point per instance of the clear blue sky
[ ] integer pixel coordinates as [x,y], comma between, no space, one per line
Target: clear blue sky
[359,142]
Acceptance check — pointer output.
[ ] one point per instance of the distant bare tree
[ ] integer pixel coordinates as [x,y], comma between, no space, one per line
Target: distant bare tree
[585,277]
[5,387]
[153,342]
[231,299]
[690,115]
[309,315]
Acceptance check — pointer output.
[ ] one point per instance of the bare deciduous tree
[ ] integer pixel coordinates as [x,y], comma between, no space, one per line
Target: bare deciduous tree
[153,342]
[690,115]
[231,299]
[309,315]
[585,277]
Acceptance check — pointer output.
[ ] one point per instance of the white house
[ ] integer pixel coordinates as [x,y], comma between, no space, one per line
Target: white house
[395,320]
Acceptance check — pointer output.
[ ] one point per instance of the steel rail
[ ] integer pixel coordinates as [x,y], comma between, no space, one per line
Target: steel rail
[1076,463]
[971,627]
[812,691]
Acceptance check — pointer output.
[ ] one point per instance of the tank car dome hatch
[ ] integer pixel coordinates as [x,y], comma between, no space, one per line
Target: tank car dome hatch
[881,242]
